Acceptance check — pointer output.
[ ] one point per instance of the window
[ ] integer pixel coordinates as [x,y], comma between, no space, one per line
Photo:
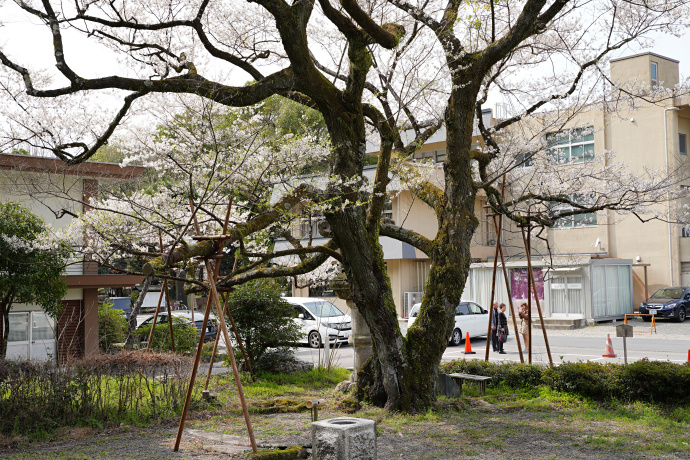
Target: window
[571,146]
[586,219]
[436,156]
[682,144]
[524,160]
[310,227]
[462,309]
[476,309]
[387,212]
[653,72]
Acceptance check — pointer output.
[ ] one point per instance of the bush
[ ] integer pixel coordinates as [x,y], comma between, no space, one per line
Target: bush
[649,381]
[514,375]
[112,326]
[131,387]
[656,381]
[592,380]
[186,336]
[263,318]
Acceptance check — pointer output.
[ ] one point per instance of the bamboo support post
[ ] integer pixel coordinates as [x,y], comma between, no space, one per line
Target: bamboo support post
[510,296]
[155,318]
[213,298]
[170,324]
[493,277]
[531,283]
[493,292]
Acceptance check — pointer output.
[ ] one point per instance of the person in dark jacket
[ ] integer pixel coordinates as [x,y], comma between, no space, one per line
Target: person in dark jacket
[502,327]
[494,326]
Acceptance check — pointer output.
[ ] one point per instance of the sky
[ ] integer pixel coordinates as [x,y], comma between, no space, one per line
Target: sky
[31,45]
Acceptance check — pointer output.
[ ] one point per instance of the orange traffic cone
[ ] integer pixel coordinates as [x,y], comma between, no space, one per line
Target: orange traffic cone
[468,345]
[608,351]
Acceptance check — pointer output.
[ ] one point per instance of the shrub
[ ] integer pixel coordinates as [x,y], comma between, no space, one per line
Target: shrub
[112,326]
[132,387]
[263,318]
[649,381]
[592,380]
[514,375]
[656,381]
[186,336]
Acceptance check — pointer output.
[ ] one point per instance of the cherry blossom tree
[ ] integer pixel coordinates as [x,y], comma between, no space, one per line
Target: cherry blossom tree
[32,262]
[401,68]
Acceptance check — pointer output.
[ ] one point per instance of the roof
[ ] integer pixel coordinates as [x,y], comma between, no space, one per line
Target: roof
[28,163]
[647,53]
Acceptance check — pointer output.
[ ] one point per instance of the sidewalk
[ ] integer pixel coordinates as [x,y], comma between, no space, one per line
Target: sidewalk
[665,329]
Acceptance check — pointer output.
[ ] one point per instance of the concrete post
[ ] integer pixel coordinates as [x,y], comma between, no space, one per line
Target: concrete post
[344,438]
[360,337]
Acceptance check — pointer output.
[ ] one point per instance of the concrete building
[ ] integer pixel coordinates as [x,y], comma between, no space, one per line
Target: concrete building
[33,182]
[602,265]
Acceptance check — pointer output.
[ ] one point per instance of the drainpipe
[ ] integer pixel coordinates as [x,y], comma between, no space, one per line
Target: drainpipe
[668,195]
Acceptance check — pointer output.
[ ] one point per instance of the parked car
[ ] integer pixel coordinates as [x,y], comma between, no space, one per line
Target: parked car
[668,302]
[150,302]
[469,317]
[211,326]
[319,318]
[122,303]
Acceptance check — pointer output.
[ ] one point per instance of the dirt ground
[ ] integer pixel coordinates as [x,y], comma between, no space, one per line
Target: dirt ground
[476,429]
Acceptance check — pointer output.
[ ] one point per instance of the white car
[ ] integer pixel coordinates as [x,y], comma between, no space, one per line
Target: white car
[469,317]
[319,318]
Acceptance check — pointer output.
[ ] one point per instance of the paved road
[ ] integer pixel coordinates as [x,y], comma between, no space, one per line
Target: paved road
[670,343]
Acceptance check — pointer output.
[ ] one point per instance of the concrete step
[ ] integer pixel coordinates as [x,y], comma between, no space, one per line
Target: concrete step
[559,323]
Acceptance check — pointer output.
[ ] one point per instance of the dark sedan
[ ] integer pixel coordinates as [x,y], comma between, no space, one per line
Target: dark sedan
[669,302]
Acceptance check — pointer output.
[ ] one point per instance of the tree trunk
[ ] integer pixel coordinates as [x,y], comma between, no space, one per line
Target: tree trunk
[135,311]
[402,373]
[5,328]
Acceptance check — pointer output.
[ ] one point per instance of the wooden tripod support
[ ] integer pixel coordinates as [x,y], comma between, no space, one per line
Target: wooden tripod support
[164,290]
[532,286]
[214,299]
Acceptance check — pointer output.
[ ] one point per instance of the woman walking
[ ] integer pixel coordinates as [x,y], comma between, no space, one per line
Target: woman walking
[524,325]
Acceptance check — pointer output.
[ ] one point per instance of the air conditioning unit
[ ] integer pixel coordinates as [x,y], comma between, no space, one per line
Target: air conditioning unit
[409,299]
[491,242]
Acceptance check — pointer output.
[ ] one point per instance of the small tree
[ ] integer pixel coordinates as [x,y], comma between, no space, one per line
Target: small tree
[263,318]
[31,265]
[112,326]
[186,336]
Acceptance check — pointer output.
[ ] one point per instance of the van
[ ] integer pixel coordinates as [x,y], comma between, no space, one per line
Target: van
[122,303]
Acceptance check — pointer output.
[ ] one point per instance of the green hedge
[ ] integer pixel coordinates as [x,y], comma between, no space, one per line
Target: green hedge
[653,381]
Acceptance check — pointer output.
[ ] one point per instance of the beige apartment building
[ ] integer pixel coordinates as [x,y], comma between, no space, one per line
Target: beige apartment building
[600,266]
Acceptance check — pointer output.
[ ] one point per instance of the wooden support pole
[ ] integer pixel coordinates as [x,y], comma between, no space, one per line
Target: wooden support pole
[510,296]
[213,298]
[493,292]
[170,323]
[493,278]
[213,353]
[531,282]
[155,318]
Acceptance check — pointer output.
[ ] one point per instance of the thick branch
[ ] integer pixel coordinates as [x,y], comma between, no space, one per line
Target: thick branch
[208,247]
[410,237]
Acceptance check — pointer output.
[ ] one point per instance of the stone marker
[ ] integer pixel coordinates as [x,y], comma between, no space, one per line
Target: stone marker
[344,438]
